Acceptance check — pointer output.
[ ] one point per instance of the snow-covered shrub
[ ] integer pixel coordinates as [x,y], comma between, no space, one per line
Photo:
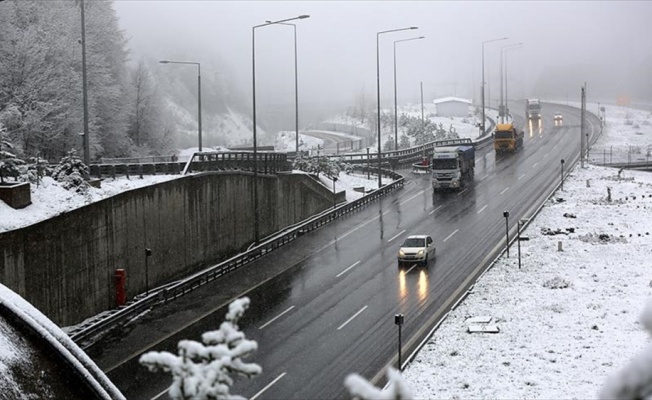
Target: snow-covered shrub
[634,380]
[36,169]
[71,171]
[556,283]
[362,389]
[9,163]
[323,164]
[201,371]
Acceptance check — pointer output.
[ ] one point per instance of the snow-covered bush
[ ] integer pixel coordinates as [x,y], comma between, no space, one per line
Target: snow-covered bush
[37,168]
[201,371]
[9,163]
[362,389]
[634,380]
[322,164]
[71,171]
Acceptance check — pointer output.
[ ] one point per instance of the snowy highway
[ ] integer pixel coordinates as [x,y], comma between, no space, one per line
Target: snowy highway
[323,306]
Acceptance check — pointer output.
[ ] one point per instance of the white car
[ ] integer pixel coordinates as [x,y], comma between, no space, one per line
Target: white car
[558,119]
[416,249]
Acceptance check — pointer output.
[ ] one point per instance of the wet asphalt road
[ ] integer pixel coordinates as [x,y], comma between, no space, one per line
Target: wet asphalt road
[323,306]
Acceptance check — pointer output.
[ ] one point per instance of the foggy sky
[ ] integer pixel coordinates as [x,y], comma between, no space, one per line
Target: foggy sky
[337,45]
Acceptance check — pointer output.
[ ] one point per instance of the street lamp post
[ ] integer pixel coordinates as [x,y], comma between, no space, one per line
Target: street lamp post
[87,145]
[482,84]
[253,81]
[395,97]
[334,193]
[503,78]
[296,87]
[380,179]
[562,174]
[506,215]
[368,177]
[199,144]
[423,120]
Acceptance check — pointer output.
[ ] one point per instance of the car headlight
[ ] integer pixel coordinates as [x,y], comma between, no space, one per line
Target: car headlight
[421,253]
[401,253]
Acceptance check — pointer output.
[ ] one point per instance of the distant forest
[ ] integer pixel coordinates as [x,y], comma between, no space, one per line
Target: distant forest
[41,102]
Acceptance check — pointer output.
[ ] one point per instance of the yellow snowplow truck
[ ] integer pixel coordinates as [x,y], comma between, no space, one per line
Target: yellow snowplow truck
[507,138]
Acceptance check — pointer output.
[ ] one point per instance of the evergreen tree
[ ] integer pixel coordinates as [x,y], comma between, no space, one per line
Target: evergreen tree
[71,171]
[9,163]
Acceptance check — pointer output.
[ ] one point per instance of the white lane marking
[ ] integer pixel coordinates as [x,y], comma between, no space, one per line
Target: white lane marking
[397,235]
[482,209]
[413,267]
[483,177]
[504,190]
[451,235]
[546,155]
[254,397]
[433,211]
[344,272]
[521,177]
[405,201]
[535,164]
[160,394]
[462,191]
[275,318]
[351,319]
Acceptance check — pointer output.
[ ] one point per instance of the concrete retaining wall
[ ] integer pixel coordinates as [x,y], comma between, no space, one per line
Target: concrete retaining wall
[64,266]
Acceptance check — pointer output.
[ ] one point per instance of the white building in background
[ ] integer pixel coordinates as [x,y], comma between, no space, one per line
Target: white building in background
[453,107]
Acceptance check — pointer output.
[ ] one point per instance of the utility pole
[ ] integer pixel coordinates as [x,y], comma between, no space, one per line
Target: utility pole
[423,121]
[582,144]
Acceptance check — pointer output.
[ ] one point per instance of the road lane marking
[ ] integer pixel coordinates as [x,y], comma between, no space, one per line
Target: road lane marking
[504,190]
[160,394]
[462,191]
[413,267]
[482,209]
[254,397]
[451,235]
[275,318]
[405,201]
[343,272]
[521,177]
[350,319]
[535,164]
[433,211]
[546,155]
[397,235]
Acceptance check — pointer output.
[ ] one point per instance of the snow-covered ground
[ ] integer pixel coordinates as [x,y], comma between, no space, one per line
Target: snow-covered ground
[567,319]
[286,141]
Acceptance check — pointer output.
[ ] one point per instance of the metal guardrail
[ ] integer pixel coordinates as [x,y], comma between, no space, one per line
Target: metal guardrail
[201,161]
[84,336]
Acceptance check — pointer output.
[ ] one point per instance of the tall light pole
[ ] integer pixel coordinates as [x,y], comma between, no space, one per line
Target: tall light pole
[296,86]
[198,94]
[503,78]
[87,142]
[253,81]
[395,97]
[423,120]
[380,179]
[483,82]
[507,91]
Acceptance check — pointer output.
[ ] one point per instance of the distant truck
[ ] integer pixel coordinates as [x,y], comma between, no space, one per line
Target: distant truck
[507,138]
[533,108]
[452,167]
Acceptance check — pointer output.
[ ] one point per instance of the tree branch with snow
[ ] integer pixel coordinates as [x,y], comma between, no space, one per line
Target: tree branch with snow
[201,371]
[634,380]
[362,389]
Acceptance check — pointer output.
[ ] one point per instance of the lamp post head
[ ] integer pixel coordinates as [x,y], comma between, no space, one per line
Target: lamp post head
[506,214]
[304,16]
[414,27]
[164,62]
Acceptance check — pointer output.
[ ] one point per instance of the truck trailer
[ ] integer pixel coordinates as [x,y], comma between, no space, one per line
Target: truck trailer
[533,109]
[452,167]
[507,138]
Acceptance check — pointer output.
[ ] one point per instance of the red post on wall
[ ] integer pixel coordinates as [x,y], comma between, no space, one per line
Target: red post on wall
[120,281]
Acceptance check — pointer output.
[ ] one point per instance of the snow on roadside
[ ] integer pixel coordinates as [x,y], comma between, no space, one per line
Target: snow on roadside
[568,319]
